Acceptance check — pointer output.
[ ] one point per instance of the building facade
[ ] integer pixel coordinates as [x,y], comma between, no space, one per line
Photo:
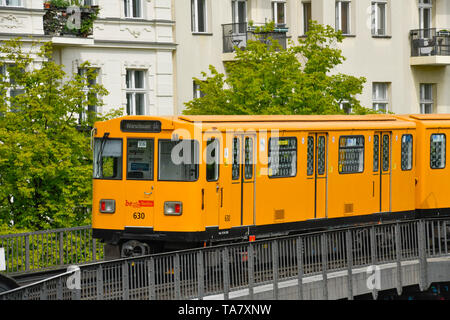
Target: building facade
[146,52]
[402,48]
[131,46]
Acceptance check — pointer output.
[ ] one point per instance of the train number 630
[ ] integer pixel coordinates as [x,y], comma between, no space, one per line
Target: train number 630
[138,215]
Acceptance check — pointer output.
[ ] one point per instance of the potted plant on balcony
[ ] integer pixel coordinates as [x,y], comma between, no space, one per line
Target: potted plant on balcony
[444,33]
[56,17]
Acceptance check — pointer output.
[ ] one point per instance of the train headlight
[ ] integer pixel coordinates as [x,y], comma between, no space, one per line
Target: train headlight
[107,206]
[173,208]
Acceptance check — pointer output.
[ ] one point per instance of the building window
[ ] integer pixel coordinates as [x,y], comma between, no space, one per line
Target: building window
[307,16]
[197,92]
[346,106]
[92,75]
[198,16]
[425,15]
[11,3]
[136,92]
[343,16]
[12,89]
[279,12]
[379,17]
[133,8]
[380,96]
[426,98]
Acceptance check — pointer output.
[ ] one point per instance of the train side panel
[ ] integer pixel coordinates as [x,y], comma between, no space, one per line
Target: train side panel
[433,174]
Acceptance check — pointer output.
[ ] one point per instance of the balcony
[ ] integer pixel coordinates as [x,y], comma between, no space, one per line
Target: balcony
[430,47]
[237,35]
[69,21]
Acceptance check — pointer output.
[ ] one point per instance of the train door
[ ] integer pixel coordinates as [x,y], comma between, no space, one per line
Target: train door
[243,178]
[140,191]
[382,170]
[211,194]
[317,169]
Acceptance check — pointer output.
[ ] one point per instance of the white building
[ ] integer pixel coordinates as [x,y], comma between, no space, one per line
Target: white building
[131,47]
[407,71]
[146,52]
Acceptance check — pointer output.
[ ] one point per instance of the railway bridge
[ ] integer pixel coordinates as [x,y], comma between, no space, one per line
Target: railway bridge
[336,264]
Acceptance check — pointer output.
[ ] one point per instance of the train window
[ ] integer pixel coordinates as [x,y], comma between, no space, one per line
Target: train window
[437,151]
[351,154]
[140,159]
[376,152]
[248,158]
[212,160]
[236,168]
[310,156]
[282,157]
[385,152]
[407,151]
[321,155]
[107,158]
[178,160]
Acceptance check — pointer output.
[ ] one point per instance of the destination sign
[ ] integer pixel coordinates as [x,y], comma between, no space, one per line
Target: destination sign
[140,126]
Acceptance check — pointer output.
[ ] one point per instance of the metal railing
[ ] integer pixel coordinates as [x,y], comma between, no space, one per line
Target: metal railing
[430,42]
[196,274]
[41,250]
[238,34]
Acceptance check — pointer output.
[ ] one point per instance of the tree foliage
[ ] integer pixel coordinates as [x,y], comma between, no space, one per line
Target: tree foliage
[266,79]
[45,159]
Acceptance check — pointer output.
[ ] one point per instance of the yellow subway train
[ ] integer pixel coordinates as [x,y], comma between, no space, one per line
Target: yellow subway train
[165,183]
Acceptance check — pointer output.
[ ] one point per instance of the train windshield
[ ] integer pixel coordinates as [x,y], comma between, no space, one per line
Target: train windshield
[178,160]
[107,158]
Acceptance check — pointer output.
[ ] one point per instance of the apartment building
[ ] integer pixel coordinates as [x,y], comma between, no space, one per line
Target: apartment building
[131,46]
[401,47]
[147,52]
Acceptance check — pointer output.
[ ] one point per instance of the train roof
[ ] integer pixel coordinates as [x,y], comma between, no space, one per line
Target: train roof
[286,118]
[299,122]
[430,121]
[275,122]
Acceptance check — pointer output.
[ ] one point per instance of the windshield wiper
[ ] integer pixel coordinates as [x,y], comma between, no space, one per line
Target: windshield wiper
[100,154]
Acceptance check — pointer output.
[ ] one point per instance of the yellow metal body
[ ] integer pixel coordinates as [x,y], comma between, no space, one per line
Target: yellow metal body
[254,198]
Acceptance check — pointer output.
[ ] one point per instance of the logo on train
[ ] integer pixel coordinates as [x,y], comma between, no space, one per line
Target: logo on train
[139,203]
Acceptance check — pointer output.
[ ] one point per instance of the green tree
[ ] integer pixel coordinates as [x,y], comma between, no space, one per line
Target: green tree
[45,159]
[266,79]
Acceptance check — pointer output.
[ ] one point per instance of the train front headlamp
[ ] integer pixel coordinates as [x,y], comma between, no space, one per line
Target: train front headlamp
[107,206]
[173,208]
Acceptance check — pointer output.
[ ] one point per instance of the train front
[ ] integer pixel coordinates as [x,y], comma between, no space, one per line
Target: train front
[145,193]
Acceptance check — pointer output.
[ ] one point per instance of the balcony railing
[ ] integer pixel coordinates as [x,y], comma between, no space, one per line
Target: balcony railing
[430,42]
[237,35]
[70,21]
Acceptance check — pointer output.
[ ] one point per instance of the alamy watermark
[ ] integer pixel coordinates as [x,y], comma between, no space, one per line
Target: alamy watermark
[74,281]
[73,18]
[221,152]
[373,278]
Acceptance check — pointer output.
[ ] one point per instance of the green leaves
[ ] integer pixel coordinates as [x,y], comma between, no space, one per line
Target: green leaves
[45,159]
[267,79]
